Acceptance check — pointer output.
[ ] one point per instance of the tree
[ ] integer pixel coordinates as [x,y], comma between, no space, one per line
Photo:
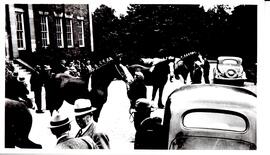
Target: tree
[244,31]
[105,34]
[171,28]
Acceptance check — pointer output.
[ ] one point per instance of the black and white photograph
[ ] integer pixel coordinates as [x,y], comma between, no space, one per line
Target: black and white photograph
[131,76]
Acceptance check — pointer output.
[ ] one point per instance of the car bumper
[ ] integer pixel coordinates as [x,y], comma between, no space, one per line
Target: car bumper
[230,79]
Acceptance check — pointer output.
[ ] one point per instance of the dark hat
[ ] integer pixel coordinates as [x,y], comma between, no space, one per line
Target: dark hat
[15,73]
[83,106]
[58,120]
[21,78]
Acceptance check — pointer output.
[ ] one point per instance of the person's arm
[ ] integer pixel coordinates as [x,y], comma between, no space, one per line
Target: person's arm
[101,140]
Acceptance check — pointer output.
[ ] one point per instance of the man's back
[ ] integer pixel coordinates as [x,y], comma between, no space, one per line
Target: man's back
[77,143]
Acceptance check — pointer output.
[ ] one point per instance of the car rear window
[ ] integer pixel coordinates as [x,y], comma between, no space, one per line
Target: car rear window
[230,62]
[214,120]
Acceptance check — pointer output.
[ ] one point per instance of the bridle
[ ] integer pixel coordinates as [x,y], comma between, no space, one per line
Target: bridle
[121,73]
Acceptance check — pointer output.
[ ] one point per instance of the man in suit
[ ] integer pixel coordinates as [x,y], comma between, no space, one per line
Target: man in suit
[206,68]
[137,89]
[60,127]
[84,118]
[36,86]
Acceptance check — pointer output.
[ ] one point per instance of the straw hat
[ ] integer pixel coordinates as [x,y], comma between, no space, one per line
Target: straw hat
[58,120]
[83,106]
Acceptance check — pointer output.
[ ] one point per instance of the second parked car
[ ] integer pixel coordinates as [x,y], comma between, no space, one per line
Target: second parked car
[229,70]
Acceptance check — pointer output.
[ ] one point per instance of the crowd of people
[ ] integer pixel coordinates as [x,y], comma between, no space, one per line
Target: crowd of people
[16,87]
[88,137]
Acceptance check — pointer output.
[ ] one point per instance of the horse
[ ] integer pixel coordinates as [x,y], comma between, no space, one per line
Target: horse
[185,65]
[157,74]
[18,123]
[63,87]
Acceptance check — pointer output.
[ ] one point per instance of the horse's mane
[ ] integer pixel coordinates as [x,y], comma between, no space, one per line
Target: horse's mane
[102,63]
[188,55]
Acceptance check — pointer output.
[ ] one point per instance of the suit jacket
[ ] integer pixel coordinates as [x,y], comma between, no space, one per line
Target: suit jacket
[101,139]
[67,142]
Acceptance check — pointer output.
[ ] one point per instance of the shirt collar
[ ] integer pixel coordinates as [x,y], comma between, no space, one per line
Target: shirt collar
[66,134]
[85,128]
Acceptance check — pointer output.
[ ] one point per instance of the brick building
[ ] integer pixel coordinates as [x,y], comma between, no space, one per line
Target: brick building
[62,28]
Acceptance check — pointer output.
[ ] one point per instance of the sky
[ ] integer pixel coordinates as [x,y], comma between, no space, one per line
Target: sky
[120,6]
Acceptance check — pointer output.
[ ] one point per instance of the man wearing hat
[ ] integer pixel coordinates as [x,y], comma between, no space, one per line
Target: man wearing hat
[143,109]
[60,127]
[36,86]
[84,118]
[137,89]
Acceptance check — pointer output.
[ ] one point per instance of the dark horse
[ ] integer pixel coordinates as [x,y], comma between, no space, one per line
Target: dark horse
[157,75]
[185,65]
[62,86]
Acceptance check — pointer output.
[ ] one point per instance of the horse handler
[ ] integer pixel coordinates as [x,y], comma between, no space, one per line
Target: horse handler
[36,86]
[137,89]
[84,118]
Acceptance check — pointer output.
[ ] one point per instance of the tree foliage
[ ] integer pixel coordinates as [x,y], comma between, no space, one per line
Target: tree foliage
[162,30]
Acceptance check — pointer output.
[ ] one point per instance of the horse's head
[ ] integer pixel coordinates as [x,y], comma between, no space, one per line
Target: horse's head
[107,70]
[123,73]
[180,68]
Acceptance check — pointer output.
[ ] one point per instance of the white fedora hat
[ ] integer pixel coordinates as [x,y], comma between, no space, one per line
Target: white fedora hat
[83,106]
[58,120]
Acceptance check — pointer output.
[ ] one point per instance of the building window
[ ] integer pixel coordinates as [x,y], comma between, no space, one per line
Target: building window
[69,32]
[81,33]
[44,31]
[59,32]
[20,29]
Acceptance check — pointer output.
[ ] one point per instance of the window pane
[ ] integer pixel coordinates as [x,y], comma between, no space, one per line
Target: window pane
[44,31]
[59,31]
[20,30]
[69,32]
[230,62]
[214,120]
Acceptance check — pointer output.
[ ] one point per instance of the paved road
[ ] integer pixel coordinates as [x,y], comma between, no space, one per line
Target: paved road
[115,119]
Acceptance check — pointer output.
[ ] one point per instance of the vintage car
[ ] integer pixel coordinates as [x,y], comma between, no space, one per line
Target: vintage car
[210,117]
[229,70]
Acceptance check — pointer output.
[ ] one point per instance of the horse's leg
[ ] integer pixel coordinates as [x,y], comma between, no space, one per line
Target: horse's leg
[161,88]
[185,77]
[155,88]
[98,99]
[55,104]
